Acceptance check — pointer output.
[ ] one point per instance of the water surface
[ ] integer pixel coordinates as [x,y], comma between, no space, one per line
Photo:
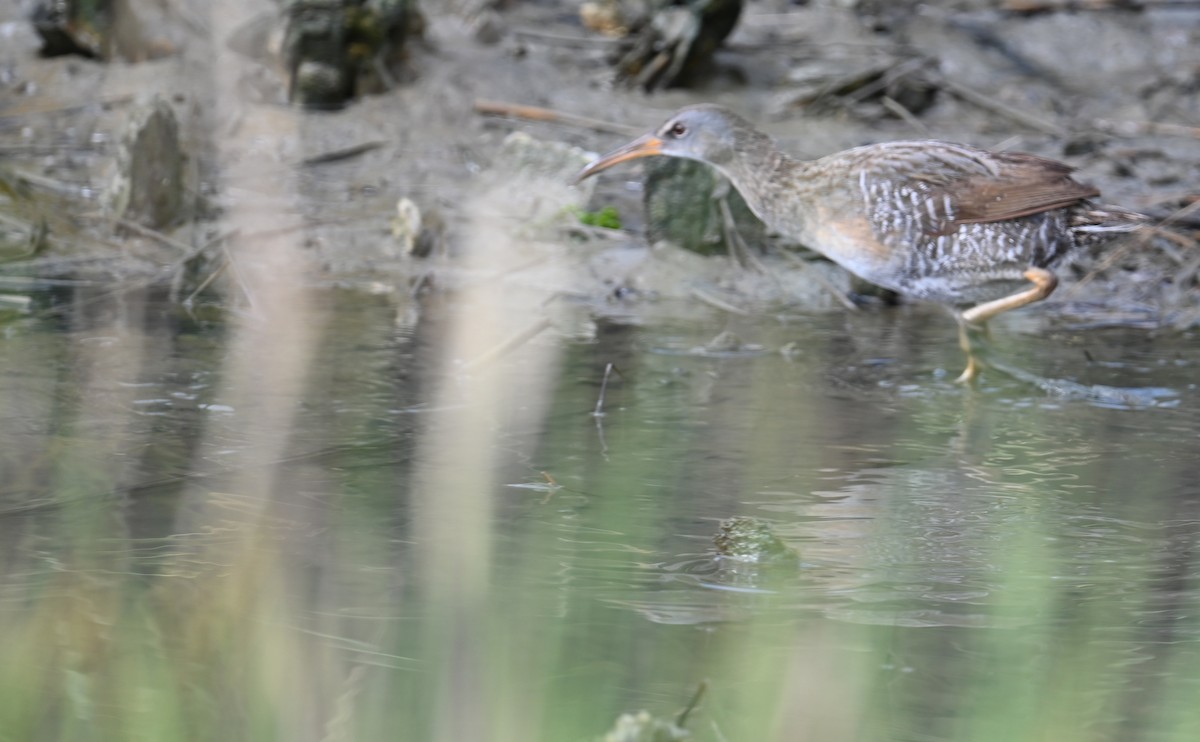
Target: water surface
[409,556]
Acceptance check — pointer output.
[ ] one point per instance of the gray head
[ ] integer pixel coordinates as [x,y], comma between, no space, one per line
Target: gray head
[708,133]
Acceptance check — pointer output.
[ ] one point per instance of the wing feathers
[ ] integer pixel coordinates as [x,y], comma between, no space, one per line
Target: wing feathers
[1024,185]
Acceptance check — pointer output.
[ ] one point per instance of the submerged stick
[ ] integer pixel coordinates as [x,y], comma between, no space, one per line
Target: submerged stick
[681,719]
[212,276]
[713,301]
[508,345]
[598,413]
[604,389]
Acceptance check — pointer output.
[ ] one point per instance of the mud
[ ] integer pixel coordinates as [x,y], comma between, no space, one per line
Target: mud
[1113,92]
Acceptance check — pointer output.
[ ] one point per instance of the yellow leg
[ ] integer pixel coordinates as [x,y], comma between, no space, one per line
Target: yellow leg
[1044,283]
[974,320]
[975,363]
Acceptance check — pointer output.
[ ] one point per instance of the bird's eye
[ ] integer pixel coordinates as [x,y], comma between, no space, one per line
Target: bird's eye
[678,129]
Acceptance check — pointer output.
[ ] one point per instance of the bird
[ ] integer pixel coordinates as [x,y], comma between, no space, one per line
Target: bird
[975,230]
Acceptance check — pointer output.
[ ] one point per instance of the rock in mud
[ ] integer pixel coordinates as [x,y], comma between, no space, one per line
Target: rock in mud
[666,44]
[683,202]
[73,27]
[149,185]
[337,49]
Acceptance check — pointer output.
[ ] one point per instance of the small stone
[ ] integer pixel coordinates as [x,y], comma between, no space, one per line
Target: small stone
[487,27]
[747,539]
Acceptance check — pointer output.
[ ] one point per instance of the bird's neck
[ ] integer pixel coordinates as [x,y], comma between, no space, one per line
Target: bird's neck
[762,178]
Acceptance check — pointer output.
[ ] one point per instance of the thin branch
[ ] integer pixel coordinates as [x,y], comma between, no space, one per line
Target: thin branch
[585,42]
[841,296]
[188,302]
[904,114]
[1049,6]
[345,153]
[713,301]
[152,234]
[1145,128]
[970,95]
[535,113]
[608,369]
[681,719]
[115,100]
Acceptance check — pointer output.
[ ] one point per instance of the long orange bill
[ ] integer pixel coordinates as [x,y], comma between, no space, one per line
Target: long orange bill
[644,146]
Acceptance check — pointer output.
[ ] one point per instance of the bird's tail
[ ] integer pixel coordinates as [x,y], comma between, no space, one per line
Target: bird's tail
[1109,220]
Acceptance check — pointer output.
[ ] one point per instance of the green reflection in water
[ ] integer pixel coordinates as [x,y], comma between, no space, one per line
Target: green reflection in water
[989,565]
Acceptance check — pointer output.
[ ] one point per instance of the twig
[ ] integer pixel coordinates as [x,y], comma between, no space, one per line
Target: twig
[1145,128]
[718,303]
[32,283]
[1049,6]
[43,149]
[1186,319]
[607,233]
[68,108]
[344,153]
[904,114]
[1160,230]
[188,302]
[535,113]
[600,436]
[198,25]
[741,253]
[986,102]
[585,42]
[837,293]
[608,369]
[681,718]
[1165,233]
[1183,215]
[18,302]
[1102,265]
[508,345]
[775,19]
[153,234]
[598,413]
[887,74]
[50,184]
[238,278]
[552,486]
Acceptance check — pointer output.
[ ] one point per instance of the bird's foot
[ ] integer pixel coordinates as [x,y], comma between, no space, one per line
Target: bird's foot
[972,338]
[970,374]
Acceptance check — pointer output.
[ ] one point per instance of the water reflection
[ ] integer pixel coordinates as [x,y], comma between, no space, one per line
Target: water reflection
[966,558]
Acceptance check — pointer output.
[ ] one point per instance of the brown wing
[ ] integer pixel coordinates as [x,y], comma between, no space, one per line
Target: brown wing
[932,188]
[1024,185]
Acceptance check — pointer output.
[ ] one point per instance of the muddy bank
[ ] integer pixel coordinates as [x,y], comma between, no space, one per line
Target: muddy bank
[1113,92]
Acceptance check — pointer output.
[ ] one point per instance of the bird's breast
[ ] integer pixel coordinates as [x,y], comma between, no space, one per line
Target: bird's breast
[850,241]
